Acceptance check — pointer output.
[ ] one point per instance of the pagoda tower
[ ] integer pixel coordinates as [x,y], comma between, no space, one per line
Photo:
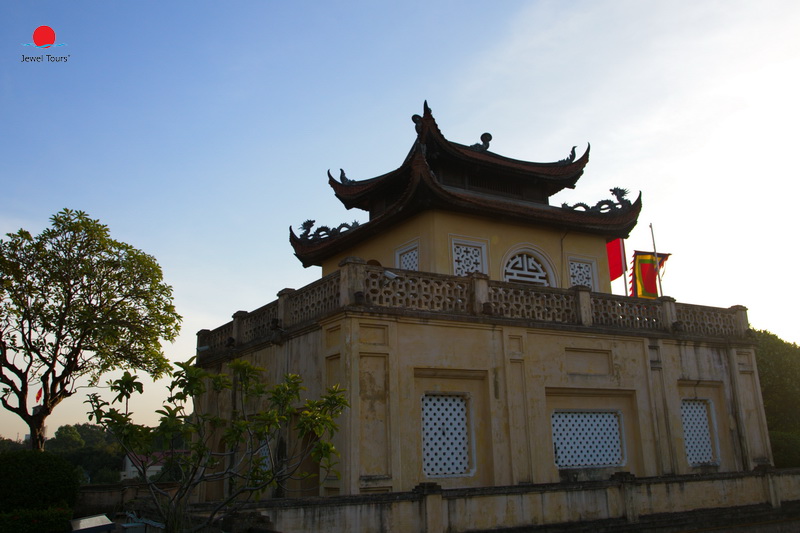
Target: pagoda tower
[486,362]
[456,209]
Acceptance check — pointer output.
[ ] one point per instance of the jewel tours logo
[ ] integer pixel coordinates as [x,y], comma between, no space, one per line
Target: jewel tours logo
[44,37]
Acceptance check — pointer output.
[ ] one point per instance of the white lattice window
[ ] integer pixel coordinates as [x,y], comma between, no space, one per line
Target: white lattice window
[264,457]
[409,260]
[697,437]
[407,256]
[587,438]
[445,435]
[468,257]
[581,273]
[526,268]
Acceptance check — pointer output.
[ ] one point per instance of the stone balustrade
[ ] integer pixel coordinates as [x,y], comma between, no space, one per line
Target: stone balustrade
[374,287]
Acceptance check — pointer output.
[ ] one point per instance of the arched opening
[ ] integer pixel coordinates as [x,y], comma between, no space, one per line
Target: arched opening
[526,265]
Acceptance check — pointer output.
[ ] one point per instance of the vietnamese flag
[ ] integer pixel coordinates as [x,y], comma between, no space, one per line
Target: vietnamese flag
[616,258]
[644,281]
[39,395]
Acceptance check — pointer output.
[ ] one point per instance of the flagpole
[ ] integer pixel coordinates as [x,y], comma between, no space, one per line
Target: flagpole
[658,262]
[627,289]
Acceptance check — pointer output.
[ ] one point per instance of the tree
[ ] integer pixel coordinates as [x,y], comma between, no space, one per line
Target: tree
[76,303]
[96,437]
[66,440]
[779,373]
[268,437]
[90,448]
[8,445]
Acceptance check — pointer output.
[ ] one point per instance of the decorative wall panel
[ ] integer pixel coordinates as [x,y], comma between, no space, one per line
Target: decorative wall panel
[695,415]
[445,435]
[467,259]
[525,268]
[581,273]
[587,438]
[409,259]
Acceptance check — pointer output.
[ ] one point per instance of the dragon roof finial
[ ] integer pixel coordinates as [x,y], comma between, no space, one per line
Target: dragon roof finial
[604,206]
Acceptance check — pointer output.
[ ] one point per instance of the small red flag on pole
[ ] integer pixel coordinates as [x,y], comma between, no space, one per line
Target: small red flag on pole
[39,395]
[616,258]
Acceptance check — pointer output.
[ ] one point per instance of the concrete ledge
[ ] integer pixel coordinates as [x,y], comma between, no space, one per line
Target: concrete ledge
[764,500]
[751,519]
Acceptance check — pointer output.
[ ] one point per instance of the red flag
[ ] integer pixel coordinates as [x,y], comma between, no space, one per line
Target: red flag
[39,395]
[616,258]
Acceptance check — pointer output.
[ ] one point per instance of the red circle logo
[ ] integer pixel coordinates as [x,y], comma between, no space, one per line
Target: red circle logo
[44,36]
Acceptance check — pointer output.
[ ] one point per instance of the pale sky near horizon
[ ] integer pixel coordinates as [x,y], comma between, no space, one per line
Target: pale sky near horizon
[200,131]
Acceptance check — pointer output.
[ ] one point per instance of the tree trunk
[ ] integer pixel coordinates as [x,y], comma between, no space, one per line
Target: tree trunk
[36,425]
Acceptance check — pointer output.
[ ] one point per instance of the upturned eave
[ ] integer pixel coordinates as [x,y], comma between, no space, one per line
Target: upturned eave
[423,192]
[549,177]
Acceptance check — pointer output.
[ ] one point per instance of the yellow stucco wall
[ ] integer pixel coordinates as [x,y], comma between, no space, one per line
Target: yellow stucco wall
[435,231]
[511,379]
[514,379]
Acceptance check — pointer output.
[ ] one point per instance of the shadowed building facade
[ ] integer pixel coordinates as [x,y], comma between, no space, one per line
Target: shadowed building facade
[473,326]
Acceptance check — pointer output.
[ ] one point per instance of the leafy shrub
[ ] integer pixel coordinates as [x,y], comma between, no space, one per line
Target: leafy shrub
[779,373]
[36,480]
[97,463]
[785,448]
[106,475]
[53,520]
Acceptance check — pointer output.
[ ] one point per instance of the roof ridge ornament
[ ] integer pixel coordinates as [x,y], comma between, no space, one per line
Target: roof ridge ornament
[486,138]
[604,206]
[417,120]
[569,159]
[343,179]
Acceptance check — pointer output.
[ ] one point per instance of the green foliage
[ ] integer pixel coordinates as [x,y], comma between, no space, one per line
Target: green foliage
[254,456]
[76,303]
[105,475]
[785,448]
[100,465]
[36,480]
[51,520]
[8,445]
[90,448]
[67,439]
[96,437]
[779,372]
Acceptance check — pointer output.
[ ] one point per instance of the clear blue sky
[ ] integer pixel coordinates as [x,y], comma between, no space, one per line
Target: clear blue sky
[199,131]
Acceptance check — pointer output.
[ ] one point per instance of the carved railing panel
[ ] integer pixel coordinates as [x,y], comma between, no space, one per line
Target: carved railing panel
[256,325]
[415,290]
[314,300]
[627,313]
[711,321]
[217,339]
[539,303]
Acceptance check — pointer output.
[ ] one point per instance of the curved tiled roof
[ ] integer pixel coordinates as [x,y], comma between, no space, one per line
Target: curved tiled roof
[550,177]
[415,187]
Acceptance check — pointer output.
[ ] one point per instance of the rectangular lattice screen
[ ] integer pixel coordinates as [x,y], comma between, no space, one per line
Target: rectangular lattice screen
[697,432]
[467,259]
[581,273]
[445,435]
[587,438]
[409,259]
